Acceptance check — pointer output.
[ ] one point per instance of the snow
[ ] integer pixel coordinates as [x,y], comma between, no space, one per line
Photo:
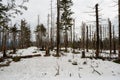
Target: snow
[27,51]
[46,68]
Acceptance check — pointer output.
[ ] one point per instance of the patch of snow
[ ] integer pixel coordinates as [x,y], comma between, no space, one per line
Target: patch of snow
[46,68]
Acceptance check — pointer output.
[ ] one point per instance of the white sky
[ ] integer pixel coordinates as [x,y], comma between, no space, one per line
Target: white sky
[42,8]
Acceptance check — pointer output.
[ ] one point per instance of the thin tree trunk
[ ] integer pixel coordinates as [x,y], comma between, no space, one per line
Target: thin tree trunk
[14,42]
[119,27]
[66,39]
[87,39]
[110,37]
[114,44]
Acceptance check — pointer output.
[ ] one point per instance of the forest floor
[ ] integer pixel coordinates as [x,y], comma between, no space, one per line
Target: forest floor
[67,67]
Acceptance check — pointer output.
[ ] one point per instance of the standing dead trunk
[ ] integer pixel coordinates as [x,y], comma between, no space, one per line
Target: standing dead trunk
[114,43]
[4,43]
[66,39]
[97,30]
[119,27]
[14,42]
[110,37]
[83,40]
[74,36]
[58,29]
[87,39]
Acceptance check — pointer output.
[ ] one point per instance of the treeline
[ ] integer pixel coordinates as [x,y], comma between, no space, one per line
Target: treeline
[11,37]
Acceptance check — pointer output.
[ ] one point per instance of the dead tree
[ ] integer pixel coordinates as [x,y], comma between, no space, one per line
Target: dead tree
[58,29]
[97,30]
[66,39]
[114,43]
[90,37]
[74,36]
[47,42]
[4,39]
[71,36]
[101,44]
[0,39]
[119,27]
[51,32]
[87,38]
[110,37]
[83,40]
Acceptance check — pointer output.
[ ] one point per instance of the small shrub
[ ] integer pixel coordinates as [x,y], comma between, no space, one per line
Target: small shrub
[117,61]
[74,63]
[16,59]
[1,59]
[69,60]
[76,52]
[84,62]
[34,52]
[11,52]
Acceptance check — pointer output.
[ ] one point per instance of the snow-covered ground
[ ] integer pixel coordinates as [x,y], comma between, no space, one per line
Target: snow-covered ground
[62,68]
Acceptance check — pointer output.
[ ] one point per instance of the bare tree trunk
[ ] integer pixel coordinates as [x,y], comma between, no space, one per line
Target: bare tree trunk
[83,40]
[51,27]
[71,35]
[47,41]
[14,42]
[114,44]
[4,43]
[51,38]
[97,30]
[90,38]
[110,37]
[87,39]
[58,29]
[101,43]
[0,41]
[74,37]
[119,27]
[66,38]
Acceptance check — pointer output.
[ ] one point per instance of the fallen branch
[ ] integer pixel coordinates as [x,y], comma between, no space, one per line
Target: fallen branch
[95,70]
[57,69]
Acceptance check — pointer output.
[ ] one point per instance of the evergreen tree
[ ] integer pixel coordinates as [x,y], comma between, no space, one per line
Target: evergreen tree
[25,34]
[66,20]
[8,9]
[40,33]
[14,31]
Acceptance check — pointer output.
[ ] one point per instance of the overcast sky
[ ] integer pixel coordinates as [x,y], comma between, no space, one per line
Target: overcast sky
[42,8]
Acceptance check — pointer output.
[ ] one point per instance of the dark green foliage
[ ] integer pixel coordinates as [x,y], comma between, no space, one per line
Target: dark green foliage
[40,33]
[66,20]
[1,59]
[25,35]
[76,52]
[34,52]
[41,28]
[10,8]
[74,63]
[14,31]
[16,59]
[117,61]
